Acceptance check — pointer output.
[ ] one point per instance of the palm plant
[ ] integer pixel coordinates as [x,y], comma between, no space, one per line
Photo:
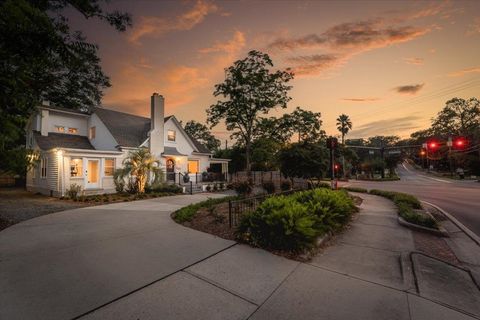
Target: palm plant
[141,164]
[344,124]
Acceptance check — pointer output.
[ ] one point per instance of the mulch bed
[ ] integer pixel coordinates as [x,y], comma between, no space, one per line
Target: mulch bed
[213,221]
[434,246]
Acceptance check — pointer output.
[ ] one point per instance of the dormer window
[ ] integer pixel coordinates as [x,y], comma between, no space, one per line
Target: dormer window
[171,135]
[92,132]
[60,129]
[72,130]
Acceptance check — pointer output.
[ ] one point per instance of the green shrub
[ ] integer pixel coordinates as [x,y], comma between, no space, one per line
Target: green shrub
[187,213]
[355,189]
[408,199]
[166,188]
[286,185]
[386,194]
[215,187]
[208,188]
[332,208]
[243,187]
[280,223]
[293,222]
[269,187]
[73,191]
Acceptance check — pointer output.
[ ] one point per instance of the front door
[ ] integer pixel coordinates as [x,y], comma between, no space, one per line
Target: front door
[170,170]
[93,174]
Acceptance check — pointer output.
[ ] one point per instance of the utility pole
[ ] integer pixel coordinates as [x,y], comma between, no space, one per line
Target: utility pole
[449,144]
[332,145]
[382,155]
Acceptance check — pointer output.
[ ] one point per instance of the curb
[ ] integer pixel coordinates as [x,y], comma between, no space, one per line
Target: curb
[440,232]
[467,231]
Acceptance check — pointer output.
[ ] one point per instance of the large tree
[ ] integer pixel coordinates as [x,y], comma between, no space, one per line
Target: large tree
[43,59]
[458,117]
[201,133]
[251,88]
[306,124]
[344,124]
[304,160]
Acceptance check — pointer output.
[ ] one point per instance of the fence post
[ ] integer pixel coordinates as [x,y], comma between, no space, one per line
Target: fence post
[230,213]
[191,187]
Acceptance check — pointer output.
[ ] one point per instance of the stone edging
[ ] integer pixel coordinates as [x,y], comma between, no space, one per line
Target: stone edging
[441,232]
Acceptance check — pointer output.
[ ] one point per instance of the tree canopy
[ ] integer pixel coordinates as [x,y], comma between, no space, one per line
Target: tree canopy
[43,59]
[250,89]
[306,124]
[202,134]
[344,124]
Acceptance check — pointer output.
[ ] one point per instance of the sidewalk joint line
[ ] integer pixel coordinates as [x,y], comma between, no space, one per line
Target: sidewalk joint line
[219,286]
[274,290]
[148,284]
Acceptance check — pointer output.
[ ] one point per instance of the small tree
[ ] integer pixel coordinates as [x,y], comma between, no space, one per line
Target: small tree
[344,124]
[304,160]
[250,89]
[140,164]
[306,124]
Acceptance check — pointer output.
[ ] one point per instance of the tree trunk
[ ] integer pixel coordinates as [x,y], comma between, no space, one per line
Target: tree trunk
[248,148]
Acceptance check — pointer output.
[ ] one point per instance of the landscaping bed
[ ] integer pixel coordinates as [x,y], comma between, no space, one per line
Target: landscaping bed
[287,225]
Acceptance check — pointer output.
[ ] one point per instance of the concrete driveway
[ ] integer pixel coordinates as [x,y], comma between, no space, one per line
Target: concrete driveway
[62,265]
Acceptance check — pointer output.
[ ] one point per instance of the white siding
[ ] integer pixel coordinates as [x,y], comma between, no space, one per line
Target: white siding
[181,142]
[103,138]
[67,121]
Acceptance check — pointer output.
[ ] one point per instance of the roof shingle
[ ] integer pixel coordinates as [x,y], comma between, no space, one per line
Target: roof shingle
[62,140]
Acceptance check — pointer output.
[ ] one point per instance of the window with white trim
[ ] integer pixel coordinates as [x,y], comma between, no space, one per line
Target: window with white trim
[193,166]
[109,168]
[92,132]
[171,135]
[43,167]
[76,167]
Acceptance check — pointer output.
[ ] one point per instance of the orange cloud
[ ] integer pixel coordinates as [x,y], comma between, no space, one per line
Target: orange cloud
[360,99]
[231,47]
[342,42]
[156,26]
[474,27]
[414,61]
[463,72]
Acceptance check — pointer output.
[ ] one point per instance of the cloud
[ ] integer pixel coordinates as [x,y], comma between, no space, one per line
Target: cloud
[414,61]
[341,42]
[409,89]
[474,27]
[360,99]
[393,126]
[358,36]
[463,72]
[231,46]
[314,64]
[158,26]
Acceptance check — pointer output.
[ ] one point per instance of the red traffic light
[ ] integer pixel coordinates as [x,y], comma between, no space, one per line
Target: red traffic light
[460,142]
[432,145]
[336,167]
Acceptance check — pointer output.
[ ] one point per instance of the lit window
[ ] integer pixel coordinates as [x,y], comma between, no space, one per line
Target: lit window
[171,135]
[92,132]
[60,129]
[73,130]
[76,167]
[193,166]
[109,167]
[43,166]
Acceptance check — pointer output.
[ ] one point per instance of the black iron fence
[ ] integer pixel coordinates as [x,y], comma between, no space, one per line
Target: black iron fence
[236,208]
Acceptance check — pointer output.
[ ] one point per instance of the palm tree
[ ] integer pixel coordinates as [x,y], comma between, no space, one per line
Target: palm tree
[140,164]
[344,124]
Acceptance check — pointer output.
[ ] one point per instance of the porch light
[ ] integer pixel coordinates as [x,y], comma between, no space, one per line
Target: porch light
[59,152]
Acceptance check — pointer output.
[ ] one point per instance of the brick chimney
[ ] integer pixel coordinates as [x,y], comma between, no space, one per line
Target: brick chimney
[157,115]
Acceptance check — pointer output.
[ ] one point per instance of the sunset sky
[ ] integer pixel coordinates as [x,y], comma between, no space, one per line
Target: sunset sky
[389,65]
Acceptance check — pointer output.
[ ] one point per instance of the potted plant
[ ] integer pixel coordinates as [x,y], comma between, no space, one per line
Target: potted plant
[186,177]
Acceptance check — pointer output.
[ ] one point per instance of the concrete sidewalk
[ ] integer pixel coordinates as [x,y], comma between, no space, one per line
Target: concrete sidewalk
[62,265]
[368,274]
[176,273]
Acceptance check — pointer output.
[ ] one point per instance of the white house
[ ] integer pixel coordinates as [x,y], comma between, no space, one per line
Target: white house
[86,148]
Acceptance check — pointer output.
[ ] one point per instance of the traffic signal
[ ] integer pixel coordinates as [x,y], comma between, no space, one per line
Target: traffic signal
[332,143]
[422,152]
[336,166]
[432,145]
[460,142]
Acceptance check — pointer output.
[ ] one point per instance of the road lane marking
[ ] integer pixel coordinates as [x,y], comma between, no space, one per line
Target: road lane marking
[421,175]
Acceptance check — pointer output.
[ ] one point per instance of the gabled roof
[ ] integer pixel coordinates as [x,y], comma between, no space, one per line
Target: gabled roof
[128,130]
[131,131]
[62,140]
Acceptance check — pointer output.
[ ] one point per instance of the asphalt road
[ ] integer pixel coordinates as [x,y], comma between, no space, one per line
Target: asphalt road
[460,198]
